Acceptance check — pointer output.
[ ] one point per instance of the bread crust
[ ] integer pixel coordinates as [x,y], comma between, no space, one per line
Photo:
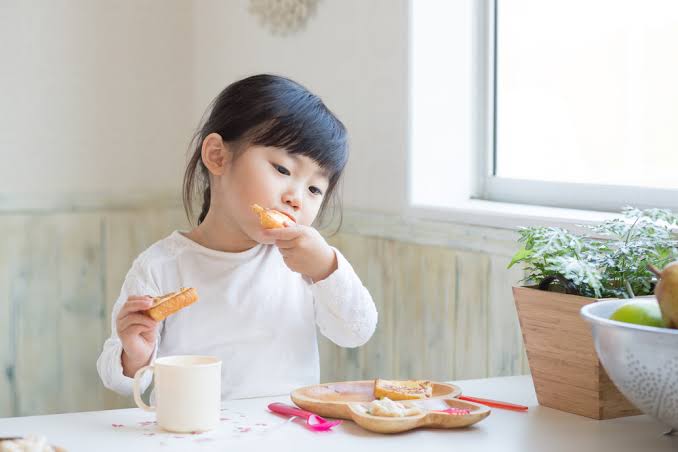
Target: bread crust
[402,389]
[270,218]
[170,303]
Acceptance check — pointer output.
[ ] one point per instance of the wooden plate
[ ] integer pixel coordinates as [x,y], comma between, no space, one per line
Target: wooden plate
[428,419]
[332,399]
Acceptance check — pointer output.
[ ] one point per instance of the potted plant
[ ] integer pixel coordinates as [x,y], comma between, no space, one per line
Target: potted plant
[564,272]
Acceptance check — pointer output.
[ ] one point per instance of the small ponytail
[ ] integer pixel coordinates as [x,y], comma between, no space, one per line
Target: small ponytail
[205,204]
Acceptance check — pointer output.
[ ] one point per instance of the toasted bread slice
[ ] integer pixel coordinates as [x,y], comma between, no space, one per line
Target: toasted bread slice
[270,218]
[172,302]
[402,389]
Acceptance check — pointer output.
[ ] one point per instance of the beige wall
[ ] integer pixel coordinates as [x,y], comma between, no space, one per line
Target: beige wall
[96,96]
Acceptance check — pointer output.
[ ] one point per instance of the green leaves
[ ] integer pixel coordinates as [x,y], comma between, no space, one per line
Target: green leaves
[612,266]
[522,255]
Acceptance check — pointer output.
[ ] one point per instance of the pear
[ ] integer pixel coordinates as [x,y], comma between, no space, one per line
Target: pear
[666,292]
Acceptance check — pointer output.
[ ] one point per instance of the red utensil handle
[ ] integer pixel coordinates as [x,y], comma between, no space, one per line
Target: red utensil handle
[289,410]
[495,403]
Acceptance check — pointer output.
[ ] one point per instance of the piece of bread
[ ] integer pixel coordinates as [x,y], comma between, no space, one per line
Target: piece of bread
[388,408]
[270,218]
[172,302]
[402,389]
[35,443]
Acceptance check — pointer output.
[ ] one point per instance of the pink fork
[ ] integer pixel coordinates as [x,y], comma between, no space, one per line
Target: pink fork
[313,421]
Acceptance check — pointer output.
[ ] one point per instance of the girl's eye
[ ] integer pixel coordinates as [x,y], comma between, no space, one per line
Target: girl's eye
[315,190]
[282,170]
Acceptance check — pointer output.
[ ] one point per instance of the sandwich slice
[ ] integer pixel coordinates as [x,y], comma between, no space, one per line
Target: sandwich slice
[170,303]
[271,218]
[402,389]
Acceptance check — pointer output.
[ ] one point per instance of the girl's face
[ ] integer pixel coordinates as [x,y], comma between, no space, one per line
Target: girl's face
[273,178]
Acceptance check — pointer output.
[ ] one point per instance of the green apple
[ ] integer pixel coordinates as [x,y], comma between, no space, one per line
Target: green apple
[640,312]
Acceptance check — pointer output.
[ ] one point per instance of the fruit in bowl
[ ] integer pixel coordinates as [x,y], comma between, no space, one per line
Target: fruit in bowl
[640,312]
[641,360]
[667,292]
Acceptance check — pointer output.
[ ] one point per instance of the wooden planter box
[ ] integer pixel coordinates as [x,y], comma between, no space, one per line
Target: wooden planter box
[565,368]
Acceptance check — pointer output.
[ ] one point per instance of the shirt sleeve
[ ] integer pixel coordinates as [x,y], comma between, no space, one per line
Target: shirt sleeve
[109,365]
[344,310]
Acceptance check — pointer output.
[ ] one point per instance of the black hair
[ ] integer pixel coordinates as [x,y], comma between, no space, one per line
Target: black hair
[269,110]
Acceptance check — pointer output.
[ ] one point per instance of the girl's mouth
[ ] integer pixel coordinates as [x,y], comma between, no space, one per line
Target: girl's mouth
[288,216]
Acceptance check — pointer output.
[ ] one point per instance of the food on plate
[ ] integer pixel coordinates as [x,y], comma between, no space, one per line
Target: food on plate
[170,303]
[388,408]
[271,218]
[27,444]
[402,389]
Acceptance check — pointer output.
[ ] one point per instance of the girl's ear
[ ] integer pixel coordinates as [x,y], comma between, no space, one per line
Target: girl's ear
[215,154]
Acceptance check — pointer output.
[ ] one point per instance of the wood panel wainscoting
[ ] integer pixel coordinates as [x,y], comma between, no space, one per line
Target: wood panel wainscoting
[442,291]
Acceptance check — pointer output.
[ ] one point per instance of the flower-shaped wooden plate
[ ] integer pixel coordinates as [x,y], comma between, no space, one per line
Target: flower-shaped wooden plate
[333,399]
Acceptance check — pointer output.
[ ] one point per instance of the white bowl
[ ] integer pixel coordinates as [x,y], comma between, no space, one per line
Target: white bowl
[642,361]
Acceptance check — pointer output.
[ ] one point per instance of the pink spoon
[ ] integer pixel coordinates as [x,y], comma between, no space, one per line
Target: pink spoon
[454,411]
[313,421]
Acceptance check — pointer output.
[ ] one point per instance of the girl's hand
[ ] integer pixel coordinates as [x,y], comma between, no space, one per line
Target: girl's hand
[304,251]
[137,332]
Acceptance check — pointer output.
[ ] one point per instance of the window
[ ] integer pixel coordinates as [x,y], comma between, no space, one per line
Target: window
[577,108]
[585,110]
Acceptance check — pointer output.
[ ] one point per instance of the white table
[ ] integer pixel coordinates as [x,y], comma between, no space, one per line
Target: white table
[247,425]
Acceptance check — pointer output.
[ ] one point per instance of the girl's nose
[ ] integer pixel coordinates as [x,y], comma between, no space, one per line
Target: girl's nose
[293,199]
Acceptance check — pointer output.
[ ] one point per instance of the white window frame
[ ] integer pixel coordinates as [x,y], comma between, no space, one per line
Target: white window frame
[484,199]
[595,197]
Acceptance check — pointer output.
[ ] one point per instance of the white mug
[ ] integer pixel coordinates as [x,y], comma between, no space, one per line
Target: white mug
[187,392]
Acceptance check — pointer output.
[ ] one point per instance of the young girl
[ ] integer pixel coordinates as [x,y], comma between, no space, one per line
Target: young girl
[262,293]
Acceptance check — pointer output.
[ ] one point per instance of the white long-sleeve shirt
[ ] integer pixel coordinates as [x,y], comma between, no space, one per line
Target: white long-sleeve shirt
[253,312]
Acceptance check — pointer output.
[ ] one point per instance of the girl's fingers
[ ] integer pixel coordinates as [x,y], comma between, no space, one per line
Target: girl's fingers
[125,330]
[136,319]
[136,329]
[138,297]
[287,244]
[149,335]
[139,330]
[288,233]
[135,305]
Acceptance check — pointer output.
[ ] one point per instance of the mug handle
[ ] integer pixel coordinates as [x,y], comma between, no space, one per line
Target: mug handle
[137,392]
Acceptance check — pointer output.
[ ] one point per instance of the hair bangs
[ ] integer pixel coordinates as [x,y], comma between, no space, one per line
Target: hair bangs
[314,134]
